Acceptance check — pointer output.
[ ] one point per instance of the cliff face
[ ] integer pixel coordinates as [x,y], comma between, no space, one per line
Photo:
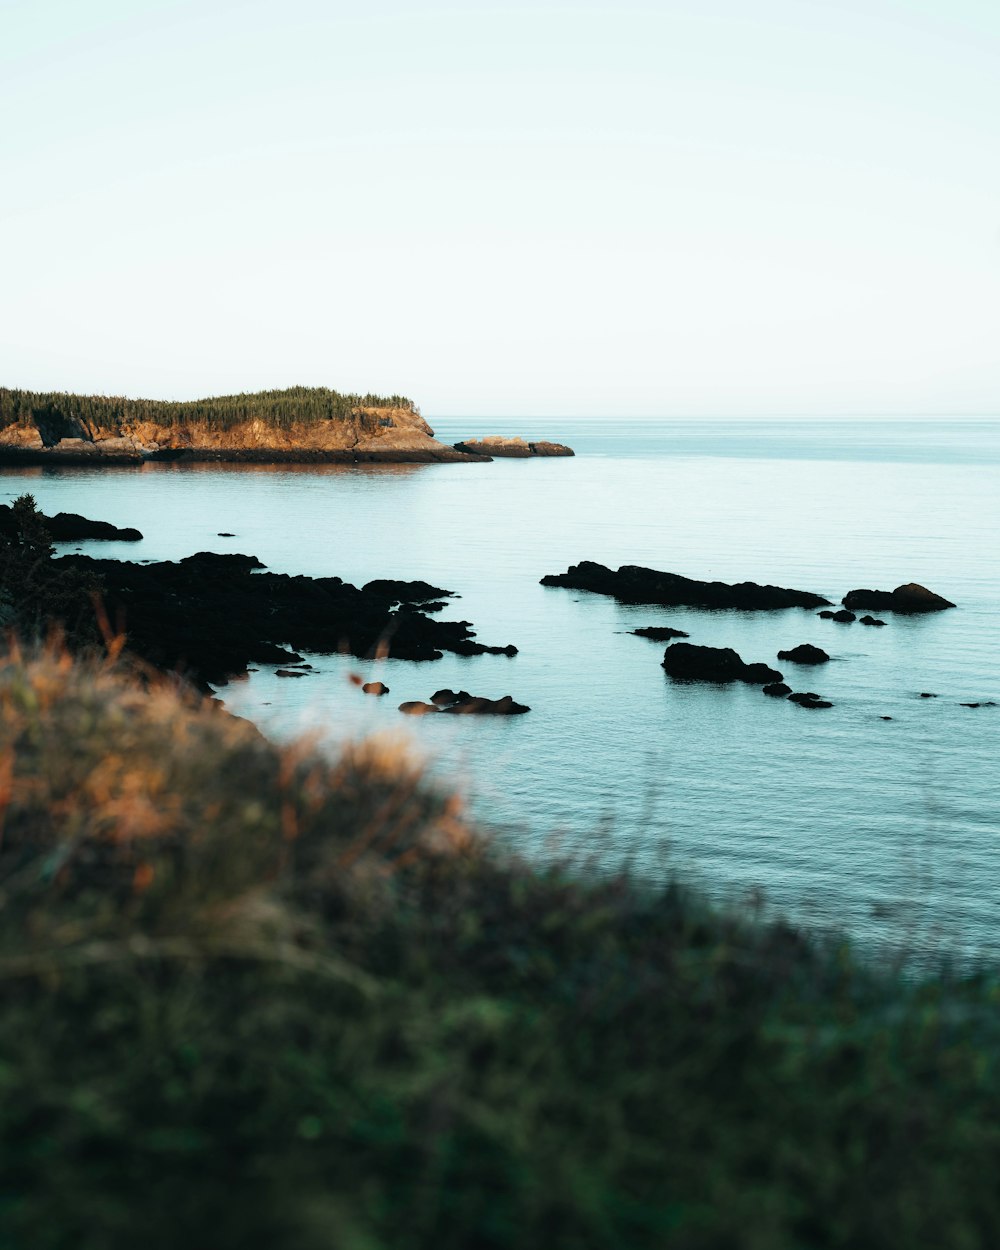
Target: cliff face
[367,434]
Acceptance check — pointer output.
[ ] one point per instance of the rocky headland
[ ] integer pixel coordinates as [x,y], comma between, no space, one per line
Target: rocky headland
[634,584]
[300,425]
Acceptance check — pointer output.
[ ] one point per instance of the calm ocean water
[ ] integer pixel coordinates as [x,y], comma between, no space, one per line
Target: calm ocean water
[889,829]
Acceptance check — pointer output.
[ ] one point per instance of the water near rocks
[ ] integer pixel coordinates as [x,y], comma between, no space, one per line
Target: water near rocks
[880,814]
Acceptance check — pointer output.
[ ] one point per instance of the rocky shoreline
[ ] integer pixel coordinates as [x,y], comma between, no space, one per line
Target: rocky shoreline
[211,616]
[292,427]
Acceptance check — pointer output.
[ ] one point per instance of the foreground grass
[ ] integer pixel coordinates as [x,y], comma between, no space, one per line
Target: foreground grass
[252,999]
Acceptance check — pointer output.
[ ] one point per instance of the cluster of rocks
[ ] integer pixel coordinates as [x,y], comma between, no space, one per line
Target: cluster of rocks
[685,661]
[461,703]
[210,616]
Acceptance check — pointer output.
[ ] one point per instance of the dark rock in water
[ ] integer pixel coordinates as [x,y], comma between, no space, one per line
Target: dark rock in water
[375,687]
[495,445]
[544,448]
[289,672]
[842,616]
[225,534]
[406,592]
[462,703]
[924,694]
[806,653]
[871,620]
[70,527]
[688,662]
[659,633]
[445,697]
[909,598]
[211,615]
[511,448]
[885,718]
[504,706]
[416,708]
[808,699]
[990,703]
[634,584]
[777,689]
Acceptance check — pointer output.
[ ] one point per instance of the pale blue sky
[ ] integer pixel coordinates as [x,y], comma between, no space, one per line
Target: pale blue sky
[732,207]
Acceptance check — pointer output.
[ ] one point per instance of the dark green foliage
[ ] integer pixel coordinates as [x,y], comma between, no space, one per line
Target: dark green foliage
[35,593]
[59,415]
[288,1005]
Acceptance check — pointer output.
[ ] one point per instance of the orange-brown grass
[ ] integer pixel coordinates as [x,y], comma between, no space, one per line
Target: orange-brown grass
[140,808]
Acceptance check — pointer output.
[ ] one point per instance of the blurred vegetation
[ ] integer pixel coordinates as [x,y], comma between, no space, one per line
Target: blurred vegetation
[253,998]
[59,415]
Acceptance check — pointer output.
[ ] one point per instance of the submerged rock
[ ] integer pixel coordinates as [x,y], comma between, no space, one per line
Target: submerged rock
[777,689]
[871,620]
[806,653]
[632,583]
[659,633]
[375,687]
[842,616]
[688,662]
[909,598]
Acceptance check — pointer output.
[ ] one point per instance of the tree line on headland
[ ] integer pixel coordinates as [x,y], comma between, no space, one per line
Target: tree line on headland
[285,408]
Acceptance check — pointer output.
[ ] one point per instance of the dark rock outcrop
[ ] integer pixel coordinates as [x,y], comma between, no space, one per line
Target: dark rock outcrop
[444,698]
[211,615]
[544,448]
[70,527]
[872,620]
[659,633]
[407,592]
[809,699]
[375,687]
[842,616]
[634,584]
[688,662]
[462,703]
[909,599]
[805,653]
[497,446]
[777,690]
